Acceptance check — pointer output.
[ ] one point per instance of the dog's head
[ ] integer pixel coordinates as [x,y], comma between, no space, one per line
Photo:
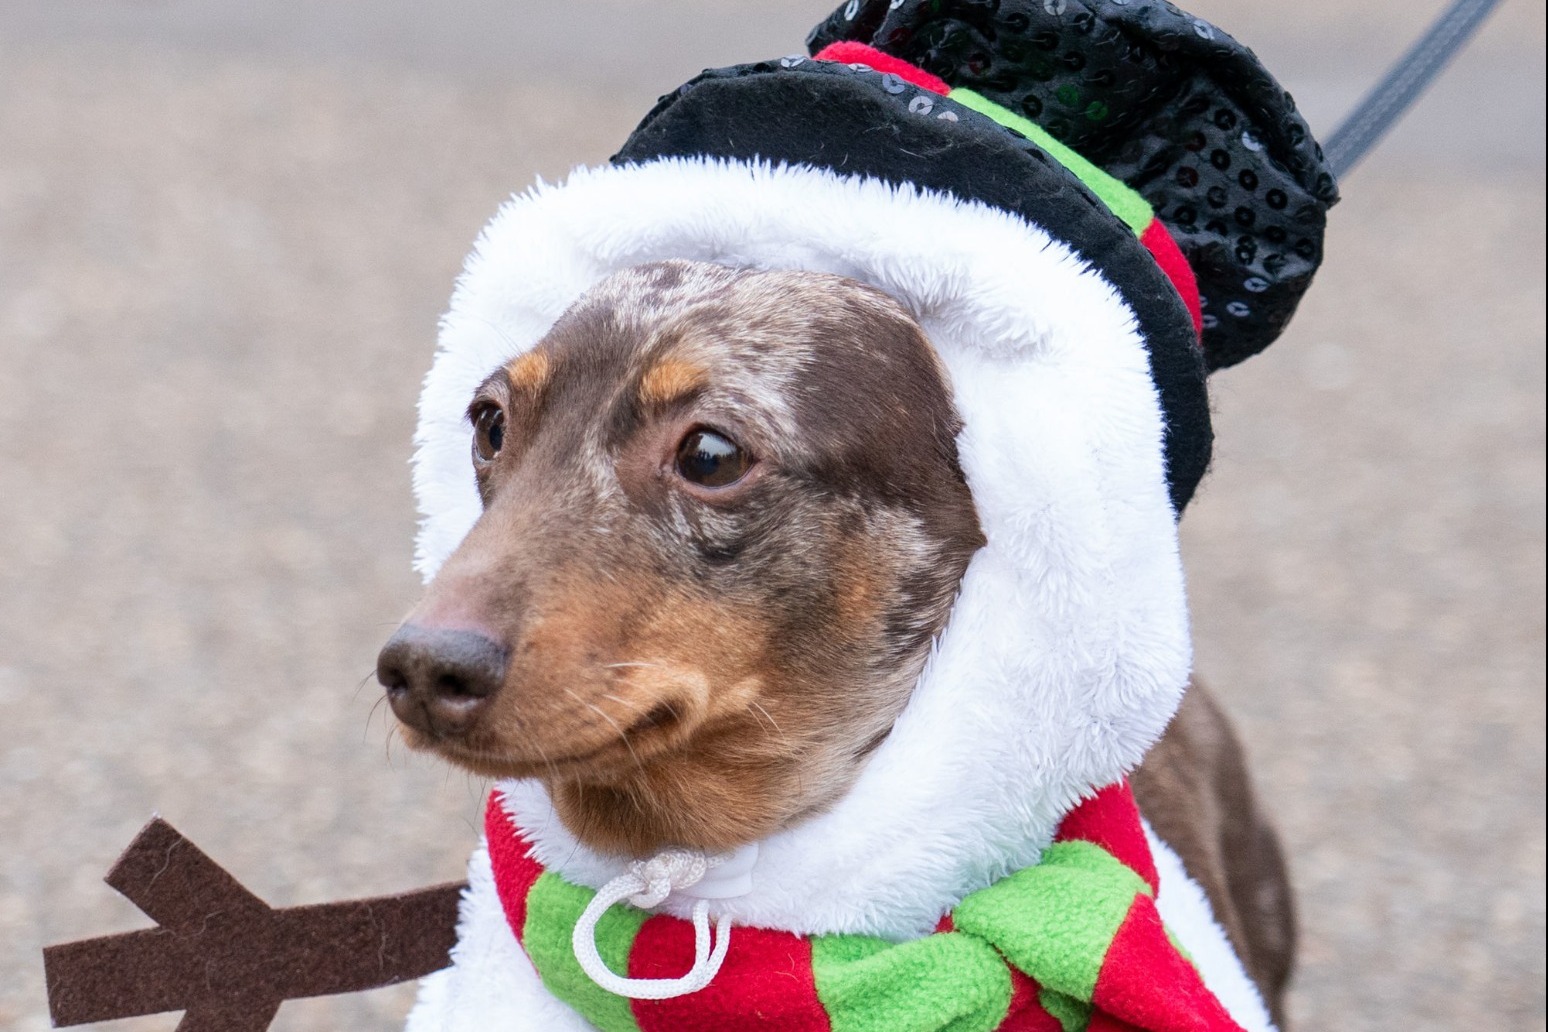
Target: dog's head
[723,522]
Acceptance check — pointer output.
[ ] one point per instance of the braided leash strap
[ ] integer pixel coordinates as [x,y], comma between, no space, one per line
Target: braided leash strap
[1403,83]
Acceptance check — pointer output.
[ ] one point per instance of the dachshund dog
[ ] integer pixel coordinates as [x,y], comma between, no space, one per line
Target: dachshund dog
[723,524]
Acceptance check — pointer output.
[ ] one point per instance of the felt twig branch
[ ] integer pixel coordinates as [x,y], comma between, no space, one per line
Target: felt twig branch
[228,959]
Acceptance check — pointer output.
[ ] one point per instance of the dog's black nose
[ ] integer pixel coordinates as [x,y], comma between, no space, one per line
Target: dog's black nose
[440,681]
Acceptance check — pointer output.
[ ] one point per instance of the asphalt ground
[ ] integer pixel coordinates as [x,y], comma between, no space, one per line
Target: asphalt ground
[227,231]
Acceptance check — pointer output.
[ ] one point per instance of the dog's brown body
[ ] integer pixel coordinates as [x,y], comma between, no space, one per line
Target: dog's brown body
[723,523]
[1195,790]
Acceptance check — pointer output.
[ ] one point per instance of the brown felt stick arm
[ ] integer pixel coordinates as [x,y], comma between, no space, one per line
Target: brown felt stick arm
[225,957]
[173,881]
[362,944]
[238,1017]
[119,976]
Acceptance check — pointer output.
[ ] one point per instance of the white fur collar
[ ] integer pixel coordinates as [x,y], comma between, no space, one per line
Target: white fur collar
[1068,648]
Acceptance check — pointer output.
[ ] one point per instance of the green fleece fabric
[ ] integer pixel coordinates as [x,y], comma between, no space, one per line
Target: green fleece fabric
[1123,200]
[1072,1015]
[1056,920]
[942,983]
[553,908]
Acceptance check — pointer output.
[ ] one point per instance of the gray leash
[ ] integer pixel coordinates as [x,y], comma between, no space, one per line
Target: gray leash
[1401,86]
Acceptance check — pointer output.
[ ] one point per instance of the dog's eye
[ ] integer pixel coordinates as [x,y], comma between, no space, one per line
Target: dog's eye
[711,460]
[488,433]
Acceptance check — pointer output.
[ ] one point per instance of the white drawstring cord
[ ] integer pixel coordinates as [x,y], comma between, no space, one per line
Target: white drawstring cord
[646,883]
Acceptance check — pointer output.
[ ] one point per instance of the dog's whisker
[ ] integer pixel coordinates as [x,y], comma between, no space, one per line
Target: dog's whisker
[759,707]
[599,711]
[372,716]
[362,683]
[553,771]
[477,785]
[623,702]
[638,707]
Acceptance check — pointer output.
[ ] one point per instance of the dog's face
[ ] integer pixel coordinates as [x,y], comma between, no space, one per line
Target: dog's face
[723,522]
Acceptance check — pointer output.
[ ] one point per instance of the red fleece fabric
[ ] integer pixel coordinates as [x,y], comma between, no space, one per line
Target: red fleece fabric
[1111,821]
[1107,1023]
[1158,241]
[515,869]
[766,974]
[1026,1014]
[1142,958]
[859,53]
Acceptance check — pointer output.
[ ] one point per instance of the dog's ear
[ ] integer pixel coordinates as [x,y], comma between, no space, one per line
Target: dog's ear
[228,959]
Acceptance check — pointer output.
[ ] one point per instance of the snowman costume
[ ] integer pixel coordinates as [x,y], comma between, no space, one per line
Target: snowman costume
[1088,205]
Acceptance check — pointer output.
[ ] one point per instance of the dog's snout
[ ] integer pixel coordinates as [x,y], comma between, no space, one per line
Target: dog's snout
[440,681]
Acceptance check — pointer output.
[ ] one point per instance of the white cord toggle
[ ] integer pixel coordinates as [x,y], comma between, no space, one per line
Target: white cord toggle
[645,884]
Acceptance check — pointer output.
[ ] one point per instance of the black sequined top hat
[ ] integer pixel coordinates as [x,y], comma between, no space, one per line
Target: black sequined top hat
[1163,101]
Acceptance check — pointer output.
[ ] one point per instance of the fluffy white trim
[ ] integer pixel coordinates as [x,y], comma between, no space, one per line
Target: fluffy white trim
[1187,914]
[1068,649]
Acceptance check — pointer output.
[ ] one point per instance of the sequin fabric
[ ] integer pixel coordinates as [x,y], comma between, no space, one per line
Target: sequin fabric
[1164,101]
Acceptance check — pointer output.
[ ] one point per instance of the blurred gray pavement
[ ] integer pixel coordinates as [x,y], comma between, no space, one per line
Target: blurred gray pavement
[227,231]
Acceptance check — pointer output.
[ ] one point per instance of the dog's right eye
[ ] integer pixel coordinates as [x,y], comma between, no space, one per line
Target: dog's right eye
[711,460]
[488,433]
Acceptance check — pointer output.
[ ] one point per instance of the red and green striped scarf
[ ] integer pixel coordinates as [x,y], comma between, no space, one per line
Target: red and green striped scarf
[1073,943]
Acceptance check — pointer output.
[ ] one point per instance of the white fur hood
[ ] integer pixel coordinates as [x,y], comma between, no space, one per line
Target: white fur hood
[1068,649]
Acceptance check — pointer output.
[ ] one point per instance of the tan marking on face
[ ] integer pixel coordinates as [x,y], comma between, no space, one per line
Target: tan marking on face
[739,750]
[529,372]
[671,380]
[599,655]
[861,592]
